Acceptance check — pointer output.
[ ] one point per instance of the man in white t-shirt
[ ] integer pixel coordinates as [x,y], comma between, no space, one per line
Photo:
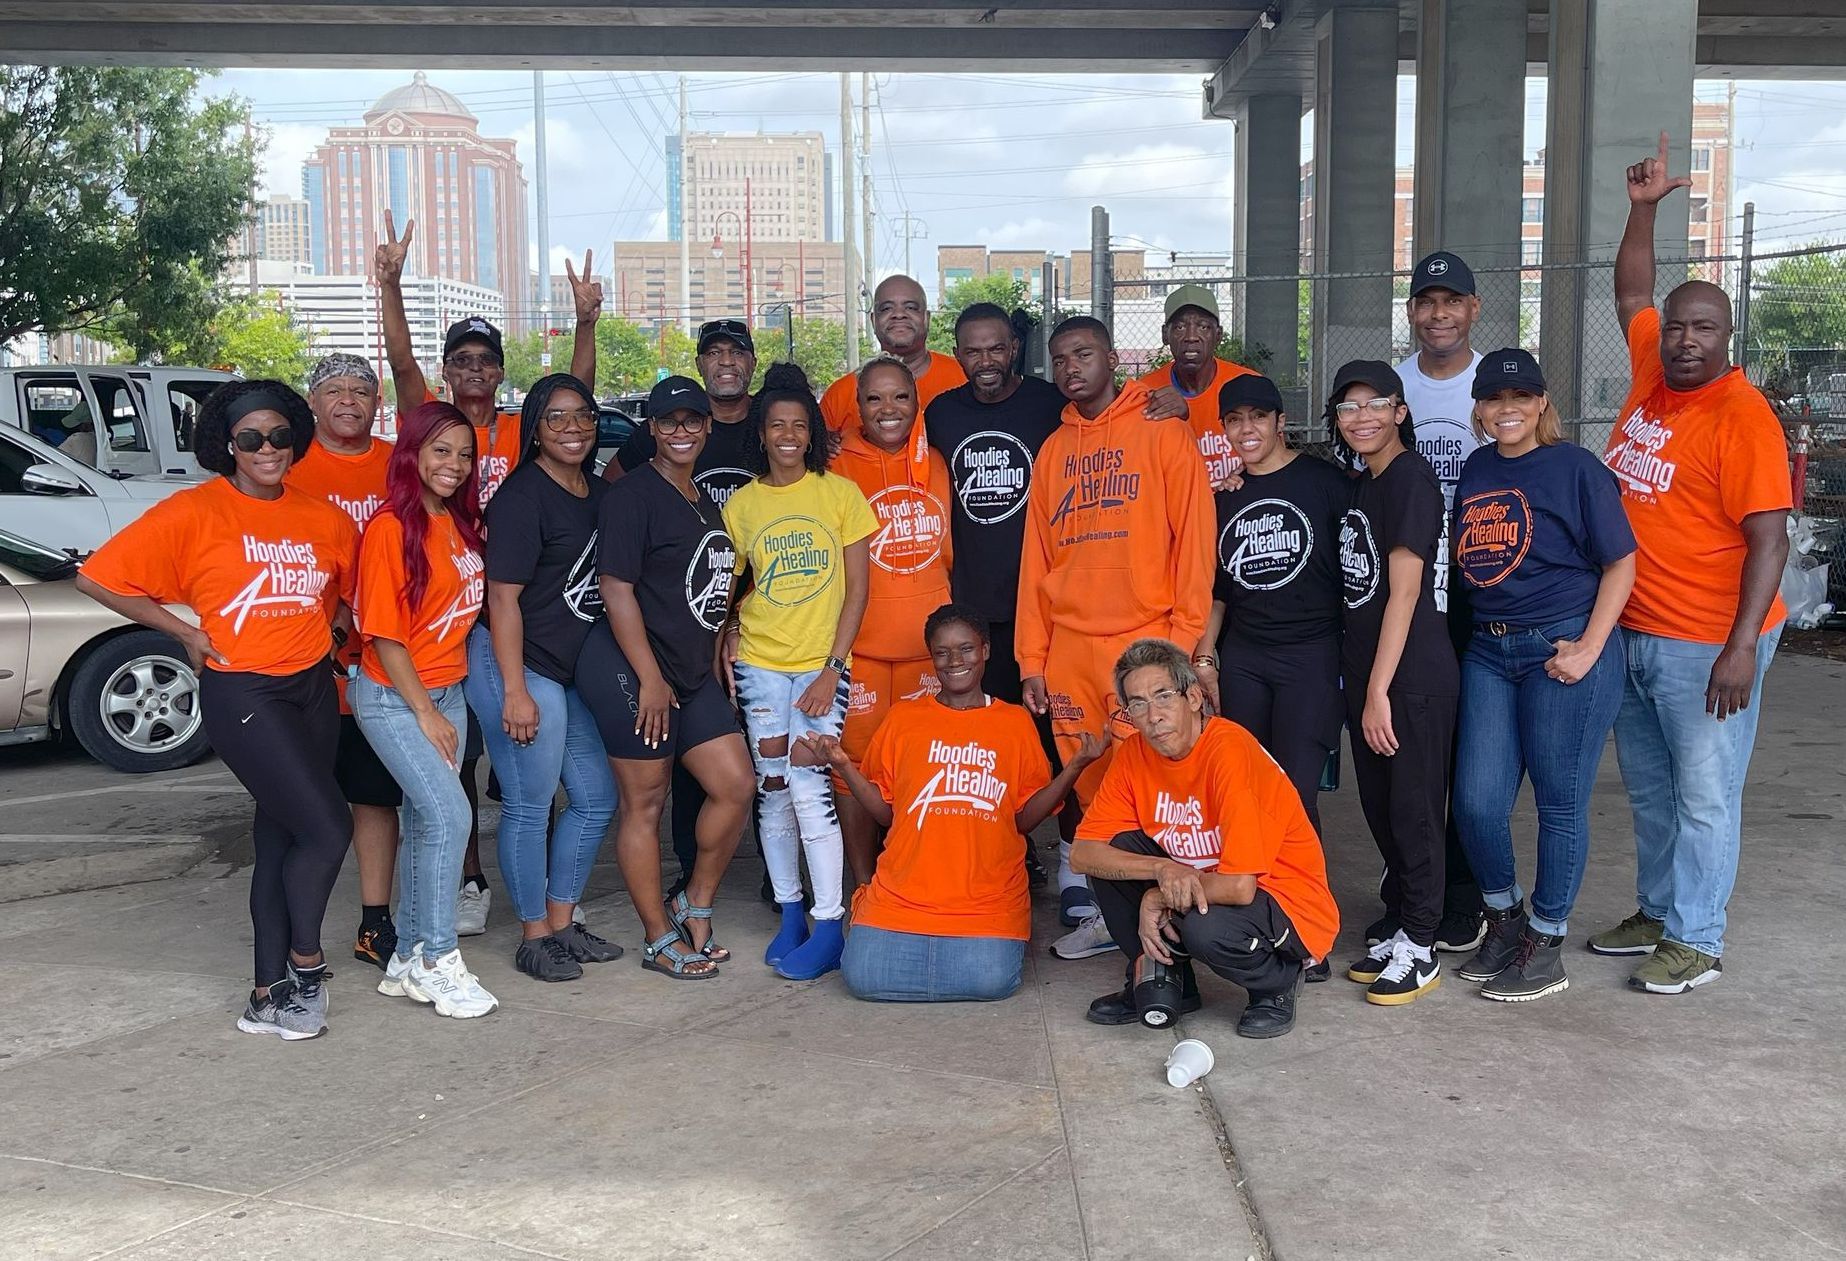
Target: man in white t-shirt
[1438,384]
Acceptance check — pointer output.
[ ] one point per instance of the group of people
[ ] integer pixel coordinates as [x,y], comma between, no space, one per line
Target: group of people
[904,621]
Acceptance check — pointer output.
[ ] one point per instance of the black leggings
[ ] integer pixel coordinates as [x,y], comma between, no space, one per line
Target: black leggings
[1404,798]
[1288,697]
[279,734]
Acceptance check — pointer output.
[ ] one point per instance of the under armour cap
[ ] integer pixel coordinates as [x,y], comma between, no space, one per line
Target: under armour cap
[1441,270]
[473,329]
[677,394]
[1191,295]
[1509,369]
[1249,389]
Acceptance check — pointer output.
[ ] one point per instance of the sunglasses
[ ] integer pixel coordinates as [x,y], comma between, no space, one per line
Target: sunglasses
[560,420]
[473,361]
[250,441]
[725,327]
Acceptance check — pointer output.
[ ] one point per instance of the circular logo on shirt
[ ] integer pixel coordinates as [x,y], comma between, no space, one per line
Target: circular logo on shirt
[1446,444]
[1266,545]
[708,579]
[992,472]
[722,483]
[800,559]
[1358,559]
[583,595]
[1494,535]
[912,527]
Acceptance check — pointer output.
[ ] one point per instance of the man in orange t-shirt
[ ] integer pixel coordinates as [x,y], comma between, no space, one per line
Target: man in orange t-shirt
[1196,839]
[1703,466]
[900,322]
[1188,387]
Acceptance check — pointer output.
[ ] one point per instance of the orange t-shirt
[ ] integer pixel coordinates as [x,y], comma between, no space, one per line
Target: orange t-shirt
[911,552]
[839,406]
[955,778]
[436,634]
[1692,465]
[1202,415]
[495,454]
[355,484]
[264,575]
[1226,807]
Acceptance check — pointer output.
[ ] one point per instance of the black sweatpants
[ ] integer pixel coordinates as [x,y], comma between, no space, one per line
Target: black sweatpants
[1288,697]
[1405,798]
[1254,946]
[279,735]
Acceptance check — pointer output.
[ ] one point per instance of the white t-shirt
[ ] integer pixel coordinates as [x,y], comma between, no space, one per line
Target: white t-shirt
[1442,412]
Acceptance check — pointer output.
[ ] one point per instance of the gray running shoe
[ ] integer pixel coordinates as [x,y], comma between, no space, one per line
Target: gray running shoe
[281,1014]
[311,988]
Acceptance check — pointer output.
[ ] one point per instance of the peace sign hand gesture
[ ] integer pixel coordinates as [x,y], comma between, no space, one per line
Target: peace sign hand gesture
[1648,180]
[586,290]
[388,260]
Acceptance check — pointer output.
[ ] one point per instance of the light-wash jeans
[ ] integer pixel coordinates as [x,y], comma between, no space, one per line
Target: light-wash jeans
[883,966]
[799,817]
[434,820]
[566,749]
[1684,771]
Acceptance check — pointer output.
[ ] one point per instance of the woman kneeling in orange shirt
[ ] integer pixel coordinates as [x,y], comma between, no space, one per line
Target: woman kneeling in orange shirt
[958,778]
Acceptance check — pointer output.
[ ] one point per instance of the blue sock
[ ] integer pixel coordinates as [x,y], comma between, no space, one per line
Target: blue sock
[793,932]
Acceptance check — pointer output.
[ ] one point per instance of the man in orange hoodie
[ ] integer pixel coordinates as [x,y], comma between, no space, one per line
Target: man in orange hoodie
[1118,547]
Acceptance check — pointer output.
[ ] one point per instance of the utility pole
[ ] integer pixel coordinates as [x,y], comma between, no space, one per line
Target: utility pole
[846,224]
[1741,352]
[1102,290]
[685,229]
[544,216]
[911,229]
[867,266]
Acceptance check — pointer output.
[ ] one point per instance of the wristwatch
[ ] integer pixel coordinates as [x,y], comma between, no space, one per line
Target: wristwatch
[837,665]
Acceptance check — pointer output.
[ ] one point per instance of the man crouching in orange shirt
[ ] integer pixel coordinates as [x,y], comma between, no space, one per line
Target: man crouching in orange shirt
[1197,847]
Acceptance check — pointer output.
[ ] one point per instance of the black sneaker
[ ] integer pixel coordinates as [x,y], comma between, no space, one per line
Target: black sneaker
[1461,931]
[1502,942]
[1537,969]
[1315,973]
[1367,967]
[1384,928]
[1119,1008]
[1411,972]
[586,947]
[1272,1015]
[546,959]
[376,945]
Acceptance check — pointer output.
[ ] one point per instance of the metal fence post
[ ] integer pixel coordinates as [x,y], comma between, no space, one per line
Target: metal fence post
[1741,356]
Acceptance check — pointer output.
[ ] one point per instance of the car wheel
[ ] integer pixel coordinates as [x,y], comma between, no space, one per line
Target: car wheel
[134,704]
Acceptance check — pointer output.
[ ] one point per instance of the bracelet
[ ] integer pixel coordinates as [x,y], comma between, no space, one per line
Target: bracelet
[837,665]
[1205,659]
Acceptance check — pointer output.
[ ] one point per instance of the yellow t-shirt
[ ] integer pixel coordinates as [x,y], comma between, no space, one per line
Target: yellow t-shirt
[794,540]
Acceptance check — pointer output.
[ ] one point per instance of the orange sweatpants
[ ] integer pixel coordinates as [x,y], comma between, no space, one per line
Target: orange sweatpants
[1080,679]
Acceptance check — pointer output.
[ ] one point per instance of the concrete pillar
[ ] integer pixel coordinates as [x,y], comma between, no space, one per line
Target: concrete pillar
[1469,147]
[1266,228]
[1620,73]
[1355,176]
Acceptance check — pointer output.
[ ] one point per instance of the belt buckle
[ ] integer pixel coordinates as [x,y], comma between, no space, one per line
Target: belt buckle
[1499,629]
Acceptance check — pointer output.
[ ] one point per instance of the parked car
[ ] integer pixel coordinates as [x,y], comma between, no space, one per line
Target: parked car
[124,421]
[69,666]
[67,505]
[613,425]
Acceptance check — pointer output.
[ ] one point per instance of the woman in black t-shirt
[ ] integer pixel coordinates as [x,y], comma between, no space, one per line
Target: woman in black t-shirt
[1271,649]
[542,601]
[665,563]
[1400,673]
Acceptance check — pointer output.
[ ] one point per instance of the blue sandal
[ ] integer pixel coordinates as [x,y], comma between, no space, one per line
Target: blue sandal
[668,946]
[681,910]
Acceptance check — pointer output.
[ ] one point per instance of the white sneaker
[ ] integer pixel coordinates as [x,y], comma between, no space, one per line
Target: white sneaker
[471,910]
[395,970]
[1091,937]
[450,986]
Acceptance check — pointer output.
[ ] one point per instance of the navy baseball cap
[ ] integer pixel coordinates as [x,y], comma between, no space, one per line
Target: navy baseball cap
[473,329]
[1509,369]
[677,394]
[1441,270]
[1249,389]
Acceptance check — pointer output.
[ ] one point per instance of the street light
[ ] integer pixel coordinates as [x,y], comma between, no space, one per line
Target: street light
[744,240]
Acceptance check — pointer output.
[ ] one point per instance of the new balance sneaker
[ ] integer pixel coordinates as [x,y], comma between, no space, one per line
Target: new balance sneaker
[1368,966]
[1384,928]
[1536,969]
[1637,935]
[1272,1015]
[397,967]
[450,987]
[586,947]
[281,1014]
[471,908]
[311,988]
[1461,931]
[375,944]
[546,959]
[1091,937]
[1674,968]
[1499,946]
[1075,905]
[1410,973]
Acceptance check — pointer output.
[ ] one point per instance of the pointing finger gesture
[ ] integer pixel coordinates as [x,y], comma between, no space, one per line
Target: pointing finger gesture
[1648,180]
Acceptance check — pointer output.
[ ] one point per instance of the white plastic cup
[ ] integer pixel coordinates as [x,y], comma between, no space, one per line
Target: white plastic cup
[1190,1060]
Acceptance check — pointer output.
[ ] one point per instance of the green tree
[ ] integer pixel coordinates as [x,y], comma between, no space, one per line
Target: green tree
[820,350]
[626,357]
[121,197]
[677,352]
[1797,305]
[997,287]
[522,363]
[257,337]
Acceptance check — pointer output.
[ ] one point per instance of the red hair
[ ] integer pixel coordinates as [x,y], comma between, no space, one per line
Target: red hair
[416,429]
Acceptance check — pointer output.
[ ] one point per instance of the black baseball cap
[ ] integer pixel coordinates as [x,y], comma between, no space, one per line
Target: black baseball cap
[677,394]
[1376,373]
[1249,389]
[727,329]
[1509,369]
[1441,270]
[473,329]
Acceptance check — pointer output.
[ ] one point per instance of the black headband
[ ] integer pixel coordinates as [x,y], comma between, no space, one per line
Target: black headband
[262,400]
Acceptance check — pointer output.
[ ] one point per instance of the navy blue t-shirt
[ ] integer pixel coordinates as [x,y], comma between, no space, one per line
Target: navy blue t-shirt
[1532,534]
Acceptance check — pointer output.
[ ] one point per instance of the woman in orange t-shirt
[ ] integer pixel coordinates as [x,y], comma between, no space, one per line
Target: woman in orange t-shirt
[948,911]
[421,578]
[268,570]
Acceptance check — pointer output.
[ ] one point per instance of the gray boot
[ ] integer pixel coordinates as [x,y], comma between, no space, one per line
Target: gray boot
[1537,969]
[1501,944]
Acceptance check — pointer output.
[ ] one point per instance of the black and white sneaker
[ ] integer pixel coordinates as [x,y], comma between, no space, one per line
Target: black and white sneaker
[1369,965]
[1537,969]
[1461,931]
[1411,972]
[1384,928]
[547,959]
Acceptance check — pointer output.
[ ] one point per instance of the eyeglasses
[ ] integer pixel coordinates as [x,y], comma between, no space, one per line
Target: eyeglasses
[560,420]
[1138,708]
[677,423]
[1383,405]
[250,441]
[473,361]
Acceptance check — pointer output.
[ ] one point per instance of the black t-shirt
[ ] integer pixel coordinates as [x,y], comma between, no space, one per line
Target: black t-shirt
[989,448]
[544,538]
[731,451]
[1279,553]
[679,559]
[1401,507]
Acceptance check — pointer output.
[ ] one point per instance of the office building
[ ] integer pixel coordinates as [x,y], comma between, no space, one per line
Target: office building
[810,276]
[283,234]
[785,179]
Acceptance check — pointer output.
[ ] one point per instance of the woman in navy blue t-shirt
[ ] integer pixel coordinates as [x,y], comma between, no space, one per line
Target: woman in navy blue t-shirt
[1543,544]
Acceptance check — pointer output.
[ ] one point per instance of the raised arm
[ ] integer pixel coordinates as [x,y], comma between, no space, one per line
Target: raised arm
[388,267]
[1648,182]
[587,294]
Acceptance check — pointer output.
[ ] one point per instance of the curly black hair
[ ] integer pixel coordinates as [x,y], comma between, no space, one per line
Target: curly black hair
[211,435]
[787,383]
[953,614]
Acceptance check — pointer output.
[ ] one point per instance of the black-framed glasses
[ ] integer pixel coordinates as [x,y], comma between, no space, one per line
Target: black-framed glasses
[577,418]
[250,441]
[1383,405]
[473,361]
[677,422]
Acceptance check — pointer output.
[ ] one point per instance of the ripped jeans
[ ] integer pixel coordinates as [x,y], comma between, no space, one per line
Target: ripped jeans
[795,803]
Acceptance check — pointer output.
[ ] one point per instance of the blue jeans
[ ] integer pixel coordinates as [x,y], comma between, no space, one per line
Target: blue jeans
[434,820]
[1515,720]
[566,749]
[889,967]
[1684,771]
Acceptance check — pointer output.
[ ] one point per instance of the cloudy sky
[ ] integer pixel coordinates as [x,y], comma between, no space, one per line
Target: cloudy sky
[995,160]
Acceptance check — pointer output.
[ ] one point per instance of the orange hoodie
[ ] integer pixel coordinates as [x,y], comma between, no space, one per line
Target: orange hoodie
[1119,531]
[909,492]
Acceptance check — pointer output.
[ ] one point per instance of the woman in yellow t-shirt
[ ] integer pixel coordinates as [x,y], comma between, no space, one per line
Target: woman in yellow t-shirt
[803,541]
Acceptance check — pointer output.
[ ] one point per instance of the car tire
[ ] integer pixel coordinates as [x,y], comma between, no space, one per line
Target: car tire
[133,704]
